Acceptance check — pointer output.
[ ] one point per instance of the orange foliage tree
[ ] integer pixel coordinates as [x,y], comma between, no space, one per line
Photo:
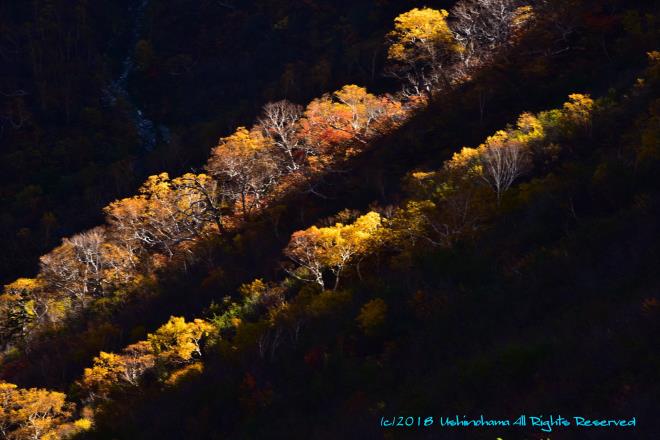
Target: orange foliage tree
[244,165]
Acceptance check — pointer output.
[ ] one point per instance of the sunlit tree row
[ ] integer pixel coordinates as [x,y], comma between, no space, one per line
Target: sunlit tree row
[433,50]
[284,151]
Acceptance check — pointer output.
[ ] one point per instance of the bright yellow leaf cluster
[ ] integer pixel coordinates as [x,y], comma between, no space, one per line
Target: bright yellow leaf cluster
[178,341]
[31,413]
[333,247]
[418,33]
[579,108]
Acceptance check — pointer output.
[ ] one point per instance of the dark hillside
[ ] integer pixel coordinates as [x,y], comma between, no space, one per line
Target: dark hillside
[475,234]
[199,69]
[426,141]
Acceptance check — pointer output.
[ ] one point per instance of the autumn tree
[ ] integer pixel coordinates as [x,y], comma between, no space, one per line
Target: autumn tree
[483,27]
[279,122]
[332,248]
[369,114]
[244,164]
[111,371]
[166,213]
[32,413]
[325,126]
[421,49]
[22,305]
[39,412]
[75,266]
[137,358]
[86,265]
[508,154]
[349,115]
[8,392]
[578,112]
[64,273]
[27,306]
[128,219]
[503,160]
[176,210]
[452,203]
[104,376]
[445,206]
[200,200]
[174,343]
[304,249]
[179,341]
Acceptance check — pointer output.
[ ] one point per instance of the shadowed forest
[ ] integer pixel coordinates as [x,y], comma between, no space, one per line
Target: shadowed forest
[294,219]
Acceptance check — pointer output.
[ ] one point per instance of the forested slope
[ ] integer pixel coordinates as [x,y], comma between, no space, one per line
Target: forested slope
[435,274]
[197,70]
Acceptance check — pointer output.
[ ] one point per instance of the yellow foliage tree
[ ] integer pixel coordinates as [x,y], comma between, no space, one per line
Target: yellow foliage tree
[22,304]
[333,247]
[419,35]
[530,128]
[499,161]
[179,341]
[421,45]
[578,111]
[104,376]
[185,373]
[464,164]
[446,205]
[112,371]
[369,114]
[31,413]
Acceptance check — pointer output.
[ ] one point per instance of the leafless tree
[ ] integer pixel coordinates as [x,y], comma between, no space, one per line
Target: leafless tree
[165,214]
[482,27]
[424,78]
[280,123]
[85,265]
[503,163]
[75,267]
[137,358]
[303,250]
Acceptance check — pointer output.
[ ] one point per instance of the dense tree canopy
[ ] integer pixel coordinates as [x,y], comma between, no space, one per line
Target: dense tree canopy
[326,252]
